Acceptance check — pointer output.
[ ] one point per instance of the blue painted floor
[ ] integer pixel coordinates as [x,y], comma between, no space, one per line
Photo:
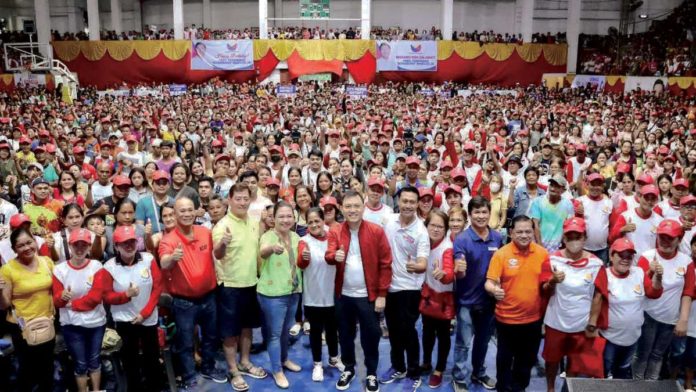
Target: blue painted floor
[300,353]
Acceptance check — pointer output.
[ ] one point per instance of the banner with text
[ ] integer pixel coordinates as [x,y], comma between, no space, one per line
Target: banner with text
[595,82]
[229,55]
[406,56]
[356,92]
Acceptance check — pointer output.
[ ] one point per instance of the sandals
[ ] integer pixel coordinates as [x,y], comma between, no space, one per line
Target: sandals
[252,371]
[239,386]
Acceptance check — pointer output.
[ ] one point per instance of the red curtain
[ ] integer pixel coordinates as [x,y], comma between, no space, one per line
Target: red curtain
[482,69]
[297,66]
[618,87]
[676,90]
[108,72]
[363,69]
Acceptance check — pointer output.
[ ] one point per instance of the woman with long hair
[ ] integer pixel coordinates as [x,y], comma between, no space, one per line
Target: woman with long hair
[78,286]
[133,284]
[72,218]
[279,289]
[25,284]
[324,186]
[140,186]
[67,189]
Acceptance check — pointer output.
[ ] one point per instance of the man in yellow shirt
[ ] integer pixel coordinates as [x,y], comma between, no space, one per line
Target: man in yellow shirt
[236,247]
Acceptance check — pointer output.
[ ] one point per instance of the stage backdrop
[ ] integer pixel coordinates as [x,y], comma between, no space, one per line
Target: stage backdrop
[109,63]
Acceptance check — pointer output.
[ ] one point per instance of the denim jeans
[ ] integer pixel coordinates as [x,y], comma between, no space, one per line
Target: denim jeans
[617,360]
[279,316]
[476,322]
[84,345]
[655,339]
[187,314]
[683,352]
[349,312]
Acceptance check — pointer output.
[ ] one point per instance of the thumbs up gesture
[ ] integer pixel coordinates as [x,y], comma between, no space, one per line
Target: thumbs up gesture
[132,291]
[66,295]
[629,227]
[227,236]
[460,265]
[178,253]
[438,274]
[341,255]
[148,227]
[306,254]
[410,265]
[656,268]
[558,276]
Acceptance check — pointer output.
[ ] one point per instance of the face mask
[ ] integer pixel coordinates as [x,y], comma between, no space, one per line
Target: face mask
[574,246]
[495,187]
[275,158]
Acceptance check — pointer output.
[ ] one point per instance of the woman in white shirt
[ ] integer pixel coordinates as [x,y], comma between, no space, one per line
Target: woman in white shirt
[318,293]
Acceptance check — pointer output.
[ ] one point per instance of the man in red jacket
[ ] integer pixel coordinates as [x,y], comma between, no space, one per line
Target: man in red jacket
[362,256]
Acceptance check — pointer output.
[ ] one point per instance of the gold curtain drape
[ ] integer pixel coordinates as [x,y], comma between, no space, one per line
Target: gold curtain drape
[7,79]
[344,50]
[612,79]
[684,82]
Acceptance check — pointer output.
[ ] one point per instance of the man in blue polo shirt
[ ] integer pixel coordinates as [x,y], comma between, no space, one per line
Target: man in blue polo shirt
[473,249]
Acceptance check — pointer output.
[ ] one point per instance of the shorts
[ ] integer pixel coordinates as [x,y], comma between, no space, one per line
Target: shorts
[238,309]
[585,356]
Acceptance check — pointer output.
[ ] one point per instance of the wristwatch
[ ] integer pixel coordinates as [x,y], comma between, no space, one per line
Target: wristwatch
[590,328]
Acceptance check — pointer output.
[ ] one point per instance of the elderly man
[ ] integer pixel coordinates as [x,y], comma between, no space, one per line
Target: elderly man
[186,256]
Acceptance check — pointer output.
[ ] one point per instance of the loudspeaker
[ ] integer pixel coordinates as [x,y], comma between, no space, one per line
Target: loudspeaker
[597,385]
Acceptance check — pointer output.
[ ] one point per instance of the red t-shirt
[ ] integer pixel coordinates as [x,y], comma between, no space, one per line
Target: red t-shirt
[194,275]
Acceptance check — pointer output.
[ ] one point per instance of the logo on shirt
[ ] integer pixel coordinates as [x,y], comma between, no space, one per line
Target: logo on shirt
[638,289]
[588,278]
[606,210]
[514,263]
[653,229]
[145,274]
[90,280]
[681,271]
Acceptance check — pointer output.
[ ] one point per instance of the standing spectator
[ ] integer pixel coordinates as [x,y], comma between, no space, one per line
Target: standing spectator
[25,284]
[570,321]
[133,284]
[187,260]
[525,194]
[279,289]
[148,208]
[363,276]
[78,287]
[595,208]
[629,286]
[236,247]
[473,250]
[437,300]
[408,240]
[513,280]
[549,213]
[639,224]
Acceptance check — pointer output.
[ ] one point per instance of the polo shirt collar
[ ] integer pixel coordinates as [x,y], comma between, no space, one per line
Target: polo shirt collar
[183,237]
[517,251]
[475,237]
[236,219]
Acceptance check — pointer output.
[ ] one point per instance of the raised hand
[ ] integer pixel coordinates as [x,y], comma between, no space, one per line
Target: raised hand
[341,255]
[178,253]
[66,295]
[227,236]
[148,227]
[132,291]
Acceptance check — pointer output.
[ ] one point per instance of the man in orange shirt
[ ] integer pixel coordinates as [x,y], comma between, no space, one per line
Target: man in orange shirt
[513,279]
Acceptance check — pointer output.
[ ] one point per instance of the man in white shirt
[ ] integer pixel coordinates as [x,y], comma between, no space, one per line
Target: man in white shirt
[410,244]
[596,208]
[376,211]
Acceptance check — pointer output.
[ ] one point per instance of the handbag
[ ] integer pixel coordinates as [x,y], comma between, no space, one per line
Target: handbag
[435,304]
[39,331]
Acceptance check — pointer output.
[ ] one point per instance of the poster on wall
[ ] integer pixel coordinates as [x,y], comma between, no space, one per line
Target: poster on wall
[356,92]
[595,82]
[228,55]
[645,83]
[29,79]
[406,56]
[288,91]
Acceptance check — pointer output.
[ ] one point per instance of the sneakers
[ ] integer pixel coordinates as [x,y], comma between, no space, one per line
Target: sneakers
[215,375]
[306,327]
[344,381]
[391,375]
[335,362]
[190,385]
[371,384]
[459,386]
[318,372]
[435,381]
[415,383]
[295,329]
[485,382]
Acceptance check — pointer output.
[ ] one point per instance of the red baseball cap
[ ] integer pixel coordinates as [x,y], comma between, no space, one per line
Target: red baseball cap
[671,228]
[412,161]
[222,157]
[681,182]
[18,220]
[130,138]
[160,175]
[326,201]
[78,150]
[650,189]
[78,235]
[623,167]
[272,182]
[123,234]
[594,177]
[469,147]
[44,133]
[670,158]
[645,179]
[688,199]
[24,140]
[375,181]
[458,172]
[275,148]
[581,147]
[663,150]
[574,225]
[446,165]
[622,245]
[423,192]
[121,180]
[453,188]
[216,143]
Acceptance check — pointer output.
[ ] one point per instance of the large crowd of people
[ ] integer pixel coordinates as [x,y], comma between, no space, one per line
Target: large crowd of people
[558,215]
[665,49]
